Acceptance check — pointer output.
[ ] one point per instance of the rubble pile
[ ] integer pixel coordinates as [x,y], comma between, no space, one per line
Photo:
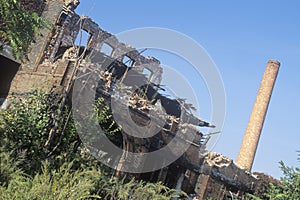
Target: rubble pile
[54,58]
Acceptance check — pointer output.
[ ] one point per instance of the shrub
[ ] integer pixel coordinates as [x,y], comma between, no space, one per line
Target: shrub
[63,183]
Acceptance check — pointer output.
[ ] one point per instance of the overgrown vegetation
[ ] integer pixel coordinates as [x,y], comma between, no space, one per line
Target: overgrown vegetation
[18,27]
[287,189]
[104,117]
[28,170]
[24,128]
[290,187]
[62,183]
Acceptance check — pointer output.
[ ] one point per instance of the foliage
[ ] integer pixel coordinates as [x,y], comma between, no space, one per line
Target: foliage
[29,171]
[252,197]
[25,127]
[115,189]
[105,118]
[69,182]
[290,187]
[63,183]
[156,191]
[8,167]
[17,26]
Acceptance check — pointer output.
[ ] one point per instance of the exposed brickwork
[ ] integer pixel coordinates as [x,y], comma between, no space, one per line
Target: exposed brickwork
[51,62]
[255,125]
[31,6]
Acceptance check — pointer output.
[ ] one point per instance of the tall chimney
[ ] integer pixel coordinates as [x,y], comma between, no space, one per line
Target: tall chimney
[256,121]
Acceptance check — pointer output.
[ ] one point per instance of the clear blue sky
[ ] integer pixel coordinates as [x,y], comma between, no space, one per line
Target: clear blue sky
[240,37]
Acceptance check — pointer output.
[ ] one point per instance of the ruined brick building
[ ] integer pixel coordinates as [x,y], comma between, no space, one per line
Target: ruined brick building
[52,61]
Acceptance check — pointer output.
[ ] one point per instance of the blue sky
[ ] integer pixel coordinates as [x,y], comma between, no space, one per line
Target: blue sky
[240,37]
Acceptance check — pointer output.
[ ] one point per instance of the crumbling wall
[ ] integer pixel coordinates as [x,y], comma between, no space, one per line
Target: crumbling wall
[51,62]
[218,177]
[31,6]
[46,56]
[35,73]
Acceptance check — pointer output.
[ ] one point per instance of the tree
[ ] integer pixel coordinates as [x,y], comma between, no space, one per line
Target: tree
[18,27]
[290,187]
[287,189]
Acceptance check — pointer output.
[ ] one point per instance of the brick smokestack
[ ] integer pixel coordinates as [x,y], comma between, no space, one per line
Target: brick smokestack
[253,131]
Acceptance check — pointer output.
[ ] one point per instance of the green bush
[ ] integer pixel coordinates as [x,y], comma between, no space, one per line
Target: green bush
[115,189]
[105,118]
[290,187]
[9,167]
[28,170]
[26,125]
[287,189]
[52,184]
[18,27]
